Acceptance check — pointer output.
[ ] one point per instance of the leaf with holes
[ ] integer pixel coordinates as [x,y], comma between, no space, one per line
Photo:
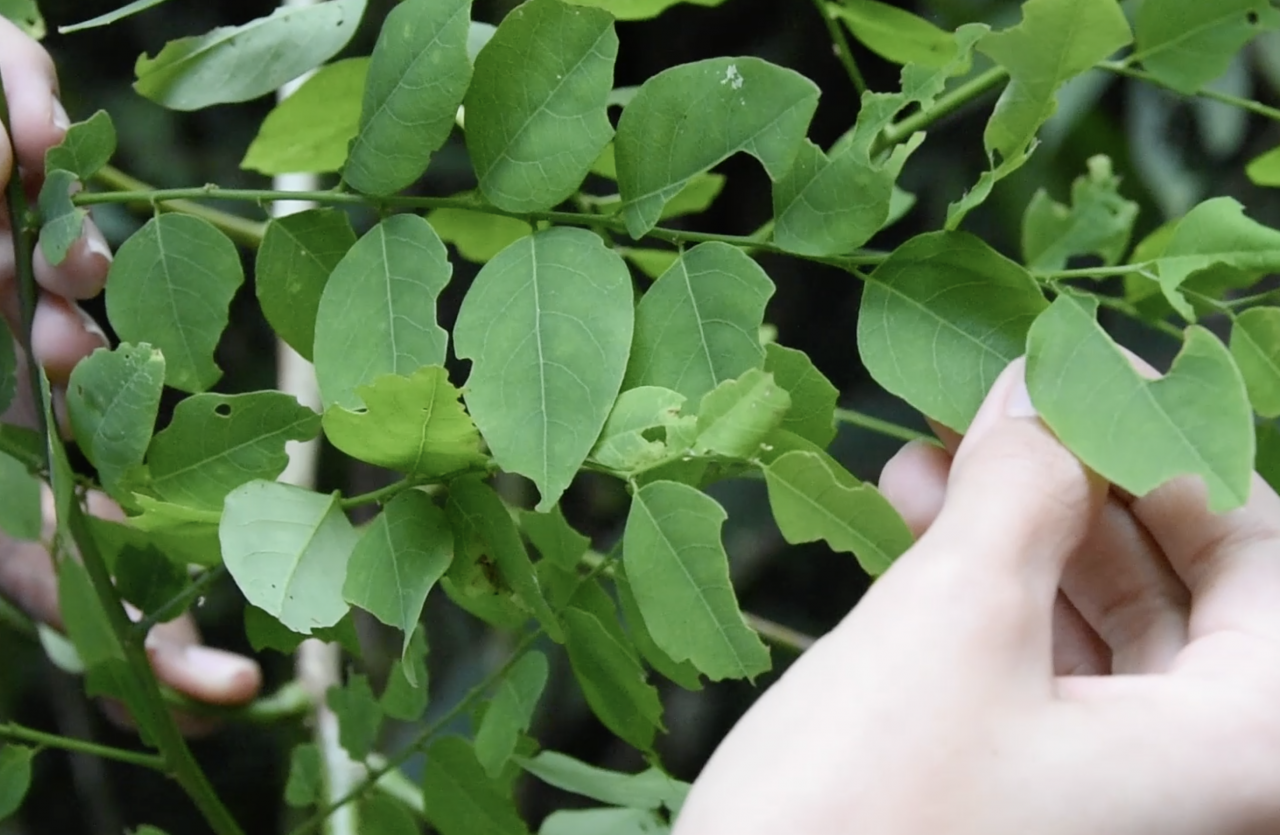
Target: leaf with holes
[735,418]
[1098,222]
[547,325]
[1187,43]
[113,399]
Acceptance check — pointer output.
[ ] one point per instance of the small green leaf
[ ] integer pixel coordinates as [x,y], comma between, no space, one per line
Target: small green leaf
[1138,433]
[63,220]
[479,236]
[381,815]
[21,516]
[359,716]
[701,114]
[547,325]
[895,34]
[680,575]
[554,537]
[87,146]
[287,550]
[417,78]
[696,197]
[639,9]
[1255,344]
[683,674]
[306,776]
[171,286]
[1264,170]
[239,63]
[378,312]
[597,821]
[612,679]
[414,425]
[941,319]
[459,797]
[405,696]
[650,789]
[398,559]
[148,579]
[813,398]
[297,256]
[1268,458]
[113,399]
[510,711]
[814,498]
[533,134]
[127,10]
[1186,43]
[625,444]
[481,519]
[217,442]
[736,417]
[1098,222]
[26,14]
[15,777]
[310,130]
[699,324]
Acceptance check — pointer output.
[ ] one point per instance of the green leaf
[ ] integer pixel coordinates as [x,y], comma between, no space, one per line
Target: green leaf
[359,717]
[625,442]
[418,75]
[459,797]
[86,147]
[736,417]
[481,519]
[1186,44]
[1138,433]
[297,256]
[612,679]
[895,34]
[405,696]
[479,236]
[701,114]
[650,789]
[306,776]
[941,319]
[699,324]
[683,674]
[554,537]
[603,822]
[113,399]
[510,711]
[239,63]
[63,220]
[400,556]
[1264,170]
[381,815]
[378,312]
[547,325]
[533,134]
[1216,235]
[1056,41]
[310,130]
[21,516]
[414,425]
[639,9]
[1255,345]
[1098,222]
[22,444]
[680,575]
[813,498]
[696,197]
[148,579]
[217,442]
[1268,458]
[15,777]
[26,14]
[171,286]
[8,380]
[127,10]
[813,398]
[287,549]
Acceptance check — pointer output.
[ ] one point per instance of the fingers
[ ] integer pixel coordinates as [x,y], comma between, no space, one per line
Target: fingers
[31,87]
[62,335]
[1077,649]
[915,483]
[207,675]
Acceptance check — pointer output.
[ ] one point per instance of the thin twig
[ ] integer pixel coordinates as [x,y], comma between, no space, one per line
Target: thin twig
[18,733]
[843,49]
[882,427]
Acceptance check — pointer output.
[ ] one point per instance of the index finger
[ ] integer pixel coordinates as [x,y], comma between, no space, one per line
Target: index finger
[31,88]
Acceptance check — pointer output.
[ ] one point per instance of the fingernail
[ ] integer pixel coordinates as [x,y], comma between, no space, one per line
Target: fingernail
[218,669]
[61,120]
[95,242]
[91,324]
[1017,403]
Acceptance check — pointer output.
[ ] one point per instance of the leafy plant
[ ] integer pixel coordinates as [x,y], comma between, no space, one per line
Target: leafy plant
[602,338]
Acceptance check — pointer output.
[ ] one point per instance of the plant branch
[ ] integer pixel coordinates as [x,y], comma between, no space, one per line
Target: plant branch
[882,427]
[240,229]
[946,104]
[183,599]
[779,635]
[1123,68]
[841,46]
[18,733]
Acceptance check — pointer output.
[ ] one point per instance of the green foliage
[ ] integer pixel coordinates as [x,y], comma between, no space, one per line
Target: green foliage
[461,799]
[649,789]
[15,777]
[1255,345]
[1185,43]
[127,10]
[306,776]
[510,712]
[359,717]
[86,148]
[311,129]
[26,14]
[20,513]
[1098,222]
[895,34]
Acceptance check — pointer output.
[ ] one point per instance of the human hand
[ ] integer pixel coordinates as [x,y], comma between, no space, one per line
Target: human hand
[1049,658]
[63,335]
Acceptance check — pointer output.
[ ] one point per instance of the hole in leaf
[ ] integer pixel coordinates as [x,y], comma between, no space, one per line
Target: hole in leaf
[222,410]
[1252,17]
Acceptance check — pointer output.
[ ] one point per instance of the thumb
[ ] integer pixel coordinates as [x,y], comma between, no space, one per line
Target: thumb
[1018,503]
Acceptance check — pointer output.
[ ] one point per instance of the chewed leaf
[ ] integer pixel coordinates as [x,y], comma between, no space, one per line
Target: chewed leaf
[1188,43]
[1140,433]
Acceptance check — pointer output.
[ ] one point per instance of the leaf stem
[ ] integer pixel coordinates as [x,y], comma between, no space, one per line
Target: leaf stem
[18,733]
[882,427]
[1127,308]
[779,635]
[1123,68]
[841,47]
[947,104]
[179,603]
[240,229]
[1092,272]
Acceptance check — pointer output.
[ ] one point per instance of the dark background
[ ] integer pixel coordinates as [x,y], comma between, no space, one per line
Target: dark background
[1171,154]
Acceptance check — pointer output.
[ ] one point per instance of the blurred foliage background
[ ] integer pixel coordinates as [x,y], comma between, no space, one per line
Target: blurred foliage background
[1170,152]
